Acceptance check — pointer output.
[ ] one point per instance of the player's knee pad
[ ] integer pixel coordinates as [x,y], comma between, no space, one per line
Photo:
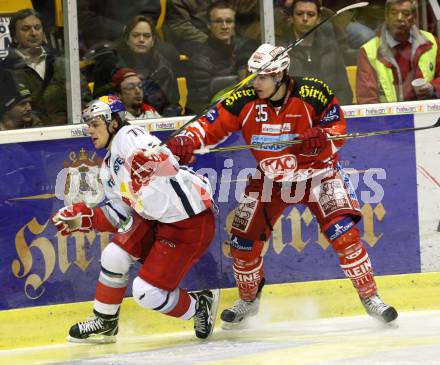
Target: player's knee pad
[245,250]
[149,296]
[341,232]
[115,262]
[345,238]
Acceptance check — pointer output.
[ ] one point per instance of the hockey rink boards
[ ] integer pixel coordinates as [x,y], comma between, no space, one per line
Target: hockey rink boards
[50,280]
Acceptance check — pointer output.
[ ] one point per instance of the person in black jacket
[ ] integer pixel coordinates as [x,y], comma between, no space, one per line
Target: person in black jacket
[15,105]
[318,55]
[103,21]
[38,67]
[136,49]
[222,54]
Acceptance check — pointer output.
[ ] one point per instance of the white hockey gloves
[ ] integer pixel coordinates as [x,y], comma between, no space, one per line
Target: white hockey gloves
[73,218]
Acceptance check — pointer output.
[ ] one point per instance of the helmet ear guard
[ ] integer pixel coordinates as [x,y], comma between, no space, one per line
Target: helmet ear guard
[265,54]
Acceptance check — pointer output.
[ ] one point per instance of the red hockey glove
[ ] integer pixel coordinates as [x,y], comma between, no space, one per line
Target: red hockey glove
[144,166]
[315,141]
[183,147]
[74,218]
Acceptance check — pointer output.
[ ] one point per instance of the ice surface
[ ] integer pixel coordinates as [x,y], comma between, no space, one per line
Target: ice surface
[413,339]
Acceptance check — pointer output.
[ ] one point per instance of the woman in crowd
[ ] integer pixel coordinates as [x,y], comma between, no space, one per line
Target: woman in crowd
[137,49]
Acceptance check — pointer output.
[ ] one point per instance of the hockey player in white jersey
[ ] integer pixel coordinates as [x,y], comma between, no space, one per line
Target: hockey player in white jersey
[161,216]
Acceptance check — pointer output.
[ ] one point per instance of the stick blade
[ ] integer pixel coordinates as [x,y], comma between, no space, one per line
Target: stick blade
[353,6]
[437,124]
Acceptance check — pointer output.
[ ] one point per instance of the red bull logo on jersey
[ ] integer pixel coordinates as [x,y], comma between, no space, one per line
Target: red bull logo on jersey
[281,167]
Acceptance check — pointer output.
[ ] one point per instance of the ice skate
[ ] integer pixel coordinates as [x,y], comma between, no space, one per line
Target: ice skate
[235,317]
[206,312]
[376,308]
[95,330]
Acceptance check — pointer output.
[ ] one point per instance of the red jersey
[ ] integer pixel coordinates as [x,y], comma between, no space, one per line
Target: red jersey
[308,102]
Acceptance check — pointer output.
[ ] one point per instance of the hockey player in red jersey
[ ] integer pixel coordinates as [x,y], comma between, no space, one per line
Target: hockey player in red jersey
[161,216]
[281,108]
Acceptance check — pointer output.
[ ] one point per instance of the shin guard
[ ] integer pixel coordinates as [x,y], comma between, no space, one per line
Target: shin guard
[354,259]
[113,279]
[356,265]
[248,270]
[110,291]
[248,277]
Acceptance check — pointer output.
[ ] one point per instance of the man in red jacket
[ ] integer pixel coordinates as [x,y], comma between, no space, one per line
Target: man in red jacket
[399,54]
[282,108]
[129,88]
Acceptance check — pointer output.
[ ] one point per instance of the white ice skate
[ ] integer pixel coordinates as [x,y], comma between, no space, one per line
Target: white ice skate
[235,317]
[376,308]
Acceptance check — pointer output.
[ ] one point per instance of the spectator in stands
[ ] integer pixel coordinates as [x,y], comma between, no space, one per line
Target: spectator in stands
[136,49]
[318,55]
[350,33]
[129,88]
[187,23]
[15,108]
[35,65]
[103,21]
[222,54]
[398,54]
[347,26]
[247,19]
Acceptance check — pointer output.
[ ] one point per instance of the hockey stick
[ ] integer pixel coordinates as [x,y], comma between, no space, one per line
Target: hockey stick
[251,76]
[203,151]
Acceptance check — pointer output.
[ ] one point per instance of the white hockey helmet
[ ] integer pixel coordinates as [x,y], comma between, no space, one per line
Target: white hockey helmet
[104,106]
[265,53]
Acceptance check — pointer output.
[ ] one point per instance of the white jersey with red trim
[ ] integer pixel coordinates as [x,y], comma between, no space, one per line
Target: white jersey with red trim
[172,194]
[309,102]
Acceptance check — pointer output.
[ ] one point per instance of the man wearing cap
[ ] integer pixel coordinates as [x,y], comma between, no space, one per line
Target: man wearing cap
[16,110]
[128,87]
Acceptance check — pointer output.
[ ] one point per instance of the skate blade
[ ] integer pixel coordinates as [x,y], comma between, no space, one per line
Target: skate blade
[214,308]
[100,339]
[234,326]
